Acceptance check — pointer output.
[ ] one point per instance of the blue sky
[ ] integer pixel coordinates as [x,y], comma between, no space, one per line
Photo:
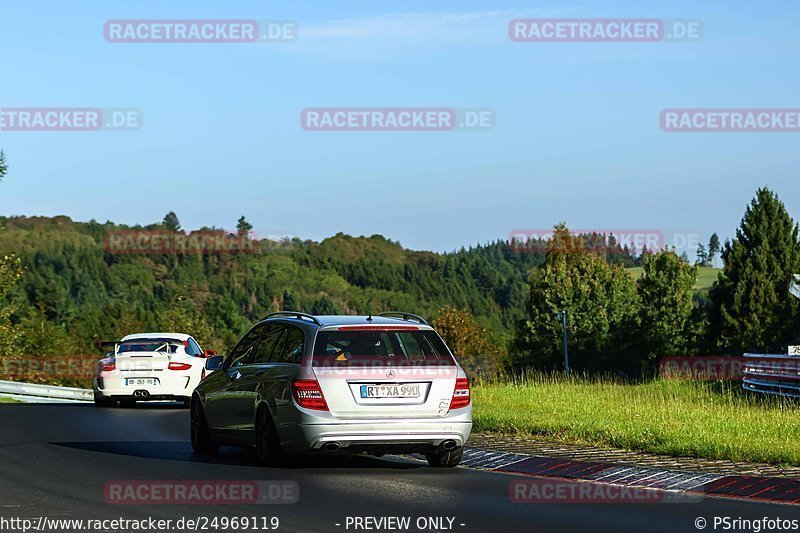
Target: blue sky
[577,136]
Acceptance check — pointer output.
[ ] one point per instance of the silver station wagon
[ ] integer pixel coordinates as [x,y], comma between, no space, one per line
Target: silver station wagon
[297,383]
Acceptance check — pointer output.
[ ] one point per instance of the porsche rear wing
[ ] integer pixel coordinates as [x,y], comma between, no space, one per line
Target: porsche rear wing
[107,344]
[114,345]
[109,347]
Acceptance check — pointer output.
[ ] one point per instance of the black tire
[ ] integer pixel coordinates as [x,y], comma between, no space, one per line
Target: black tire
[100,401]
[201,439]
[445,459]
[268,444]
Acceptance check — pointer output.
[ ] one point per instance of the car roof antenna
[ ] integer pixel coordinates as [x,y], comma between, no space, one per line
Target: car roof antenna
[369,318]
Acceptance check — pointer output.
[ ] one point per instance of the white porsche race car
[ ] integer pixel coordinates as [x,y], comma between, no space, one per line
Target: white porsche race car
[150,366]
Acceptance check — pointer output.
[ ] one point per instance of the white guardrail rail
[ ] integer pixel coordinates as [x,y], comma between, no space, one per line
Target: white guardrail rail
[28,392]
[775,374]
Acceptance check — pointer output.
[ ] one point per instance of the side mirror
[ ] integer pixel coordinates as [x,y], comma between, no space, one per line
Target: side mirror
[214,362]
[209,353]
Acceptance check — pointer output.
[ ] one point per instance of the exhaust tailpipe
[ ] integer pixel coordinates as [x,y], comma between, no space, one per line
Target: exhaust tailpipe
[331,447]
[141,394]
[449,445]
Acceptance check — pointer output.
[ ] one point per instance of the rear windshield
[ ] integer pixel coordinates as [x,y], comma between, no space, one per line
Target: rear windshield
[169,346]
[379,348]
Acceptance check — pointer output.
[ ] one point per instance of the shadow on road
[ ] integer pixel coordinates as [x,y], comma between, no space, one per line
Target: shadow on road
[182,451]
[168,406]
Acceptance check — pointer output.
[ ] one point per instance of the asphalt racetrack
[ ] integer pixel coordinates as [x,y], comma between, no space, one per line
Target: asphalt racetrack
[56,461]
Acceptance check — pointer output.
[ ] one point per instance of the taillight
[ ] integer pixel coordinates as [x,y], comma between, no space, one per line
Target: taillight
[460,394]
[308,394]
[378,328]
[108,365]
[179,366]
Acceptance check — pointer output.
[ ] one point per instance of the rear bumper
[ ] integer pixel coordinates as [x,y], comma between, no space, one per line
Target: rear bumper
[313,433]
[170,387]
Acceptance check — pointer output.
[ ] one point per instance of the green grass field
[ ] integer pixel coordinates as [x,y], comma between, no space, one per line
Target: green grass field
[706,276]
[678,418]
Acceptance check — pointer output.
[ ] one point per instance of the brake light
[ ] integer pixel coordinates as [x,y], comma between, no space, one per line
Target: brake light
[108,365]
[308,394]
[460,394]
[378,328]
[179,366]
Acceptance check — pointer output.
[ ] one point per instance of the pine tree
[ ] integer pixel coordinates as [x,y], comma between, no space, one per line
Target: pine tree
[702,256]
[755,311]
[243,227]
[3,165]
[713,248]
[171,221]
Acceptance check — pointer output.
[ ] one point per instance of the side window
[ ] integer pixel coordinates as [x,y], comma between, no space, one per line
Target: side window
[242,352]
[192,348]
[272,339]
[292,347]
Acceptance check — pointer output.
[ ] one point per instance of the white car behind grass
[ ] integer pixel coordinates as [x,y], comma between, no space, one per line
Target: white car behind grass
[150,366]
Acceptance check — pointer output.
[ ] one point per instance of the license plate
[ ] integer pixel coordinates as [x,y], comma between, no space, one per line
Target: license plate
[390,391]
[135,382]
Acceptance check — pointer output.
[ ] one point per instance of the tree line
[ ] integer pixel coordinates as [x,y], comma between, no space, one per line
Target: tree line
[61,290]
[616,323]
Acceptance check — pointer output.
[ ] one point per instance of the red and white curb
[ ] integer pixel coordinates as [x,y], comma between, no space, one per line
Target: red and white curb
[769,489]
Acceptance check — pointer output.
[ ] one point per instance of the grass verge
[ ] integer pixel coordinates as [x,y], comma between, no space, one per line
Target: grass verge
[713,420]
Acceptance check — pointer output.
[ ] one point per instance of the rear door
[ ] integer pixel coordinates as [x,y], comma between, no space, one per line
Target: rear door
[283,369]
[384,372]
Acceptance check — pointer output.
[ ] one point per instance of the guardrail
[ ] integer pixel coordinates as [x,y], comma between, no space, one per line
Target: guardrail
[772,374]
[30,391]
